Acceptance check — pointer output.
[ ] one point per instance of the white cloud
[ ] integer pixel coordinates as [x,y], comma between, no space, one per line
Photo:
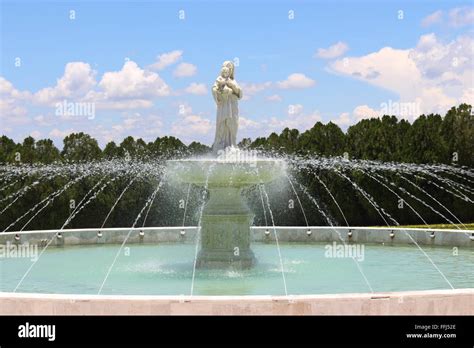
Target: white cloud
[433,18]
[461,16]
[344,119]
[41,120]
[334,51]
[133,82]
[35,134]
[45,120]
[359,113]
[434,75]
[60,134]
[147,127]
[246,123]
[251,89]
[456,17]
[274,98]
[435,59]
[78,79]
[468,96]
[129,88]
[12,104]
[166,59]
[296,80]
[189,124]
[364,111]
[196,88]
[103,103]
[296,118]
[185,70]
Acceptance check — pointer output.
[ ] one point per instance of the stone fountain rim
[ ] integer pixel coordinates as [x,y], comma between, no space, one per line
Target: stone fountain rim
[449,302]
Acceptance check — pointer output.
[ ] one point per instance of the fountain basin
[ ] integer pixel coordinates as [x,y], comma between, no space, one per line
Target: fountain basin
[166,269]
[226,218]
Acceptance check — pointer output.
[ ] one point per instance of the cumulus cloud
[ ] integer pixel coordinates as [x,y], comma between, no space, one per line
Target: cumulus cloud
[359,113]
[189,124]
[343,120]
[250,89]
[246,123]
[147,127]
[274,98]
[185,70]
[60,134]
[296,80]
[364,111]
[78,79]
[196,88]
[456,17]
[254,88]
[43,120]
[468,96]
[334,51]
[12,104]
[296,118]
[166,59]
[129,88]
[433,18]
[461,16]
[434,75]
[133,82]
[35,134]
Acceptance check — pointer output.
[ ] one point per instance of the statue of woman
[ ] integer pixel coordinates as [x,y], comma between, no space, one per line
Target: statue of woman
[226,93]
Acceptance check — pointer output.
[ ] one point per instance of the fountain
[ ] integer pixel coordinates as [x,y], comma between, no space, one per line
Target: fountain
[226,219]
[126,235]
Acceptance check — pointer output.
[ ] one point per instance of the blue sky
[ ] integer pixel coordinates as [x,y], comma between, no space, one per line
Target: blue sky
[148,73]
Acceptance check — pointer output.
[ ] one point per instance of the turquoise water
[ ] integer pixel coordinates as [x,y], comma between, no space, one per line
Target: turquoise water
[166,269]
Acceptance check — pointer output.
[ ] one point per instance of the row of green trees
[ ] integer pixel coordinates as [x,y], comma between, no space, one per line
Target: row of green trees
[429,139]
[81,147]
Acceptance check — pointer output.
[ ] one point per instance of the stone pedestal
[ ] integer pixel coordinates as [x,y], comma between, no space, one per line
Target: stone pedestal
[226,219]
[225,230]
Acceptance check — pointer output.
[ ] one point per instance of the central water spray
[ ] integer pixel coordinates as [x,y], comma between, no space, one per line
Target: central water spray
[226,218]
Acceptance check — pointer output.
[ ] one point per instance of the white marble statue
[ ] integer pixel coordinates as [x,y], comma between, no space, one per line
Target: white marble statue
[226,93]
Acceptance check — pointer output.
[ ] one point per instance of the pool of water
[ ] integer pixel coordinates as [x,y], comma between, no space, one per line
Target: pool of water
[167,269]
